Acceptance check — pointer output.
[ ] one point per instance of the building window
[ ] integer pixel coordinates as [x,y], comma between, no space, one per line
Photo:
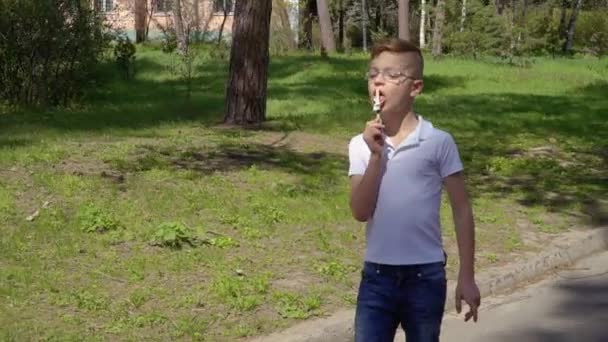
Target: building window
[104,5]
[221,5]
[164,5]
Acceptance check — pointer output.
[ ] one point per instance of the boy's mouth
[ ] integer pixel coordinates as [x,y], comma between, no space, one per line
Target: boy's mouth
[379,96]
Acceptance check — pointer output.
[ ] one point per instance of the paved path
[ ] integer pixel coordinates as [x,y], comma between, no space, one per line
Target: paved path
[569,305]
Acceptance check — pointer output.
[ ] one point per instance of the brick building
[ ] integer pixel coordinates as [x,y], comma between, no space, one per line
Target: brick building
[202,16]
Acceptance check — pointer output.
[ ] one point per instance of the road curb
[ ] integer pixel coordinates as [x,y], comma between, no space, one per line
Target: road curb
[339,326]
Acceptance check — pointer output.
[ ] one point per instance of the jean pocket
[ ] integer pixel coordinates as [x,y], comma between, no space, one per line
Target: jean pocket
[371,276]
[434,272]
[368,274]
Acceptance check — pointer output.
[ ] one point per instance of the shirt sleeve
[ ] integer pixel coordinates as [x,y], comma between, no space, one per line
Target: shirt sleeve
[449,157]
[358,163]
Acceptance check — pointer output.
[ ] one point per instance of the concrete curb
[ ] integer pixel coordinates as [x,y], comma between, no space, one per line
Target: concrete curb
[339,326]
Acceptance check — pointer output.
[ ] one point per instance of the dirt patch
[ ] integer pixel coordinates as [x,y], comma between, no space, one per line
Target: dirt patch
[80,167]
[297,282]
[29,198]
[303,142]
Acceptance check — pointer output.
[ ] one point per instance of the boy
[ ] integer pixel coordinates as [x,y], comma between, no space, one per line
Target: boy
[398,166]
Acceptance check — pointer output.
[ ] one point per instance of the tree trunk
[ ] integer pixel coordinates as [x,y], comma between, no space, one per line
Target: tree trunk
[403,8]
[306,16]
[562,21]
[182,42]
[499,6]
[571,27]
[463,15]
[422,24]
[219,36]
[364,23]
[377,17]
[197,21]
[150,13]
[341,15]
[248,80]
[140,14]
[327,32]
[438,29]
[513,43]
[280,7]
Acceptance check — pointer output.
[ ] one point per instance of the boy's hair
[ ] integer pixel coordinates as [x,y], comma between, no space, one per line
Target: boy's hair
[396,45]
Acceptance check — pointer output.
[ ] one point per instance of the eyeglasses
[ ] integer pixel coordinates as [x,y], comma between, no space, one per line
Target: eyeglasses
[391,75]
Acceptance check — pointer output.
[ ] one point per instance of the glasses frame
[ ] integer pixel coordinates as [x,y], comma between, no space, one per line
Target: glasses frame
[384,72]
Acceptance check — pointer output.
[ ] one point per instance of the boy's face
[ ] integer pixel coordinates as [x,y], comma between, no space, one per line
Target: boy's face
[397,76]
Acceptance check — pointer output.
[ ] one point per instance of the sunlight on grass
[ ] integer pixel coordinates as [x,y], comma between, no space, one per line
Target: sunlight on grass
[161,225]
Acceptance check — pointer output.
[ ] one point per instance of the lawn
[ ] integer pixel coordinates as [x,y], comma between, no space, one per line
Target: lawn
[133,215]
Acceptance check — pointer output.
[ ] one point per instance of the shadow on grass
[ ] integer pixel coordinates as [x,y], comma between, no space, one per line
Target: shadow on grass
[492,131]
[486,126]
[7,142]
[229,157]
[135,104]
[144,102]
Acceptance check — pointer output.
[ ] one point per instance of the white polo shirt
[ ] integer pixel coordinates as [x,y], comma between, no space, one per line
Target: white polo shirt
[405,227]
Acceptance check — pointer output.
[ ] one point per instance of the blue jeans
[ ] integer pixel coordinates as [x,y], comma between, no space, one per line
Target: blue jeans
[413,295]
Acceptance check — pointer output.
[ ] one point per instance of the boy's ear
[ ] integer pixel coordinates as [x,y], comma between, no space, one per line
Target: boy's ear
[417,87]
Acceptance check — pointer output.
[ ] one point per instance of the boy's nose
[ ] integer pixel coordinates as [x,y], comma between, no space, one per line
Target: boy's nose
[378,80]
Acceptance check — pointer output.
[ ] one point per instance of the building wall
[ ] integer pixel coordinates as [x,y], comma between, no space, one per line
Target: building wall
[205,19]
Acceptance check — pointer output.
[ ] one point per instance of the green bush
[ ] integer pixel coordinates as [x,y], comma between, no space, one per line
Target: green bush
[124,54]
[541,34]
[48,50]
[93,219]
[173,234]
[591,35]
[484,34]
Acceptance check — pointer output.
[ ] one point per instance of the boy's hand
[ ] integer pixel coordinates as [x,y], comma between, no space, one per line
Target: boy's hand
[467,290]
[373,136]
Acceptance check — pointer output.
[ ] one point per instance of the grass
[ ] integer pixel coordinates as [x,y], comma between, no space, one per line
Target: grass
[162,225]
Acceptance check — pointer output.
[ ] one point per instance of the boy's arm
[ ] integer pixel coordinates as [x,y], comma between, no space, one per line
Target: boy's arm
[364,189]
[465,234]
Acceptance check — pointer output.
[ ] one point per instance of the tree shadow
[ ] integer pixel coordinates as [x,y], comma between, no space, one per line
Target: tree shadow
[7,142]
[146,102]
[486,126]
[139,103]
[584,307]
[231,157]
[491,130]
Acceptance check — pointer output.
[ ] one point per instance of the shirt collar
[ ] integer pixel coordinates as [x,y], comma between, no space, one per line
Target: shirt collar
[422,132]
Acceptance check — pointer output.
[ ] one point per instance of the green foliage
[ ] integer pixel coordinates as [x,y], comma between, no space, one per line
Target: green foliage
[592,33]
[281,36]
[48,50]
[169,40]
[513,35]
[186,65]
[483,34]
[174,235]
[221,51]
[540,34]
[89,301]
[243,294]
[124,54]
[335,270]
[94,219]
[138,298]
[223,242]
[202,172]
[290,305]
[523,166]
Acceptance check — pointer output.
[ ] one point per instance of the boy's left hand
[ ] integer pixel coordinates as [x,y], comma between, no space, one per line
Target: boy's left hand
[467,290]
